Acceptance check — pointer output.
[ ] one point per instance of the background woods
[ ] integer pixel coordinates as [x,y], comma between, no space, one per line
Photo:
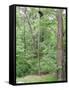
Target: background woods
[40,44]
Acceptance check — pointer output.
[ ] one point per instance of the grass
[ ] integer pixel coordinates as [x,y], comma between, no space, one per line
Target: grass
[36,78]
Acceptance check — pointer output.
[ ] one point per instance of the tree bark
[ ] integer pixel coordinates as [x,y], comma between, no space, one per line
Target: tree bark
[60,57]
[39,67]
[38,52]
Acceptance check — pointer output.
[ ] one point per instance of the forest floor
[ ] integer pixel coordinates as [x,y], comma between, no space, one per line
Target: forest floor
[37,78]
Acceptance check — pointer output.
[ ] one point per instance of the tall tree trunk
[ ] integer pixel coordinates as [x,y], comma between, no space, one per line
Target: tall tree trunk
[24,41]
[39,68]
[38,52]
[60,57]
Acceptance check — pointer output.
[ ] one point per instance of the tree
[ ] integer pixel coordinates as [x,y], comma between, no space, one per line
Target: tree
[60,56]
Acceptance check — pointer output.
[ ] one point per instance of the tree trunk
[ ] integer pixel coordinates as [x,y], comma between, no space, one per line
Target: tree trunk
[60,57]
[24,41]
[38,52]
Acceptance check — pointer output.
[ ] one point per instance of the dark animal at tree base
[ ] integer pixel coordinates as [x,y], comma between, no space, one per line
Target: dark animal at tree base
[40,13]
